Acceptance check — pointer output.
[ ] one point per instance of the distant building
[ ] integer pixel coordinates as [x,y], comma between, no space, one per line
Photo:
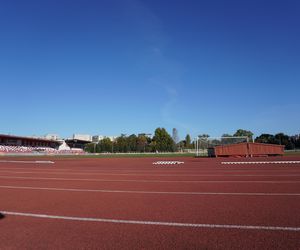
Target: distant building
[97,138]
[82,137]
[52,137]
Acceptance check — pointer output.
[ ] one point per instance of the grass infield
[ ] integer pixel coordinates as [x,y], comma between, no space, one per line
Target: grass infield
[293,153]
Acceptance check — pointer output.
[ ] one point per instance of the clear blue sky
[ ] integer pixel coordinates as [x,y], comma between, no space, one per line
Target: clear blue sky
[129,66]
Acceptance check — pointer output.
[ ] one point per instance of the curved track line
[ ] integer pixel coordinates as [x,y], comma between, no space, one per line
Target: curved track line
[147,192]
[156,223]
[149,181]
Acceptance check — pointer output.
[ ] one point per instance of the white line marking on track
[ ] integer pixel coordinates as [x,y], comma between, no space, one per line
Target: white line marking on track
[156,223]
[168,162]
[149,181]
[160,170]
[165,175]
[148,192]
[259,162]
[28,162]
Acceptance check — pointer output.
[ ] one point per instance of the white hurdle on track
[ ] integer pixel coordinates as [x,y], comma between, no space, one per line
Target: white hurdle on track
[259,162]
[167,162]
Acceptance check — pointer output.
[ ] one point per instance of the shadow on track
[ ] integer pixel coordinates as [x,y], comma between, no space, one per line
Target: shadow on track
[2,216]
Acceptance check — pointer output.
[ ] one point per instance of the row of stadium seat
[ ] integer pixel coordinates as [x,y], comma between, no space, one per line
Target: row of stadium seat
[28,149]
[15,149]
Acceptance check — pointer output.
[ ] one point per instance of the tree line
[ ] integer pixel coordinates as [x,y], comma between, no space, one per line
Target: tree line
[162,141]
[290,142]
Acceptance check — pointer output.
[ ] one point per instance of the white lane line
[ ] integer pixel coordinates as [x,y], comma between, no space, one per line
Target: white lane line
[149,181]
[155,223]
[259,162]
[159,171]
[147,192]
[164,175]
[28,162]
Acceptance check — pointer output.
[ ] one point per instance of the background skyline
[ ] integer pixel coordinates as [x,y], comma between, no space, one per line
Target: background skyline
[130,66]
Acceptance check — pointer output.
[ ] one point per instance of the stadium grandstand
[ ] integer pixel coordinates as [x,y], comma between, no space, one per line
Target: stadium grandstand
[11,144]
[78,141]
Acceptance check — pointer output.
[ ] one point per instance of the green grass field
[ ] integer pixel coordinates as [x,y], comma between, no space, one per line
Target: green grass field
[292,153]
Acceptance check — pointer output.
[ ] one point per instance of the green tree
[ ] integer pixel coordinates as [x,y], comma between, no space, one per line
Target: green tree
[242,132]
[121,144]
[149,147]
[188,141]
[295,139]
[162,141]
[141,143]
[105,145]
[283,139]
[90,148]
[181,145]
[132,143]
[266,138]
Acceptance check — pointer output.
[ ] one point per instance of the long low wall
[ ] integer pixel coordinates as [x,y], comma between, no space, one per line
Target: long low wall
[247,150]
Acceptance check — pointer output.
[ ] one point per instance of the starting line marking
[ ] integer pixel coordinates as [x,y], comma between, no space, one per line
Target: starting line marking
[167,162]
[30,162]
[260,162]
[156,223]
[148,192]
[149,181]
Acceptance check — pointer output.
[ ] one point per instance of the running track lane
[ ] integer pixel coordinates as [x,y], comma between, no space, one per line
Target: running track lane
[210,186]
[245,210]
[65,234]
[35,233]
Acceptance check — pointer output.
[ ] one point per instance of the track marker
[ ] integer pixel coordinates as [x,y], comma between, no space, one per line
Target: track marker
[155,223]
[28,162]
[167,162]
[44,162]
[148,192]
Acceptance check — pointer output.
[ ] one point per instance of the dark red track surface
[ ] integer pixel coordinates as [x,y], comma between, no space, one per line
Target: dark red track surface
[254,206]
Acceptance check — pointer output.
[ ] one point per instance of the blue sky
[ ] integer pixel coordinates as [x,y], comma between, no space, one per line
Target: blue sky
[129,66]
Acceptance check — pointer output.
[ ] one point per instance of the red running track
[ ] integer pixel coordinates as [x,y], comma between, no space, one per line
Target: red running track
[133,204]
